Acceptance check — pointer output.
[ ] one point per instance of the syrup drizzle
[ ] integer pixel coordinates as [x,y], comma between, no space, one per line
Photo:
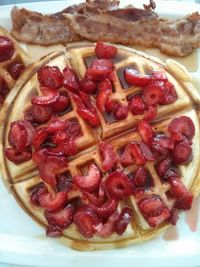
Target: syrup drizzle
[192,216]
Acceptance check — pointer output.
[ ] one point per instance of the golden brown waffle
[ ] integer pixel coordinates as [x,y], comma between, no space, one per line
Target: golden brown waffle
[19,55]
[20,179]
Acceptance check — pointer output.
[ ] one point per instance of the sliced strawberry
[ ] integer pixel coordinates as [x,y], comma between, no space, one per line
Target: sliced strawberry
[91,181]
[55,125]
[21,134]
[96,199]
[85,99]
[49,97]
[181,127]
[164,141]
[150,113]
[105,90]
[106,209]
[146,152]
[106,229]
[108,155]
[162,166]
[154,210]
[62,104]
[121,112]
[103,50]
[53,231]
[50,77]
[40,114]
[17,157]
[85,219]
[88,86]
[39,156]
[132,154]
[90,116]
[123,220]
[135,78]
[159,76]
[36,192]
[99,69]
[140,177]
[51,204]
[118,186]
[50,167]
[71,81]
[146,132]
[136,105]
[183,196]
[64,183]
[170,96]
[153,93]
[71,148]
[40,138]
[15,69]
[111,105]
[59,137]
[173,216]
[73,128]
[182,153]
[6,48]
[62,218]
[4,90]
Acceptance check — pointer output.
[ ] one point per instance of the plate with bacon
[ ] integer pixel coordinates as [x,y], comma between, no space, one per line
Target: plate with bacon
[99,140]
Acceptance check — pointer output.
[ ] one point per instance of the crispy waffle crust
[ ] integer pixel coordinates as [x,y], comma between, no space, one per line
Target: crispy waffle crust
[20,179]
[19,55]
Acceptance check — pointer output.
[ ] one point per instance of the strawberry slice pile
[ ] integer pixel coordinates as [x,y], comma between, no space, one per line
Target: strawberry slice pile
[6,48]
[4,90]
[51,143]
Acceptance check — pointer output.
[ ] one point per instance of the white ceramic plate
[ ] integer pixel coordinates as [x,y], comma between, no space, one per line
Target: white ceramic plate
[23,242]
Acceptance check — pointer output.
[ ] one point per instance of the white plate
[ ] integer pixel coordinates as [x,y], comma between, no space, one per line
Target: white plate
[23,242]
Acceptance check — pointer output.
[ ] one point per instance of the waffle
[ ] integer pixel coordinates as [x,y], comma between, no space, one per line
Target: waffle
[21,179]
[19,55]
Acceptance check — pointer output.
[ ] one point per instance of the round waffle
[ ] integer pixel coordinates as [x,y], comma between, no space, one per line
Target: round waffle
[19,55]
[21,179]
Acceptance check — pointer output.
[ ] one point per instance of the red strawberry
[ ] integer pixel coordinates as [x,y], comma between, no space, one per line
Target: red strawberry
[36,192]
[164,141]
[140,177]
[62,218]
[73,128]
[108,155]
[40,155]
[21,134]
[159,76]
[135,78]
[48,98]
[108,228]
[150,113]
[6,48]
[182,153]
[181,127]
[99,69]
[154,210]
[71,81]
[183,196]
[40,138]
[105,90]
[64,183]
[40,114]
[91,181]
[51,204]
[71,148]
[103,50]
[50,77]
[132,154]
[146,152]
[166,169]
[173,216]
[53,231]
[121,112]
[55,125]
[85,219]
[118,186]
[90,116]
[4,90]
[111,105]
[136,105]
[146,132]
[88,86]
[62,104]
[15,69]
[59,137]
[94,199]
[106,209]
[170,96]
[17,157]
[123,220]
[153,93]
[50,167]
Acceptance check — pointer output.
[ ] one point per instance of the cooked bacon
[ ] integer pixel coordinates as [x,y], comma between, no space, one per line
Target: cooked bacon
[140,27]
[104,20]
[36,28]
